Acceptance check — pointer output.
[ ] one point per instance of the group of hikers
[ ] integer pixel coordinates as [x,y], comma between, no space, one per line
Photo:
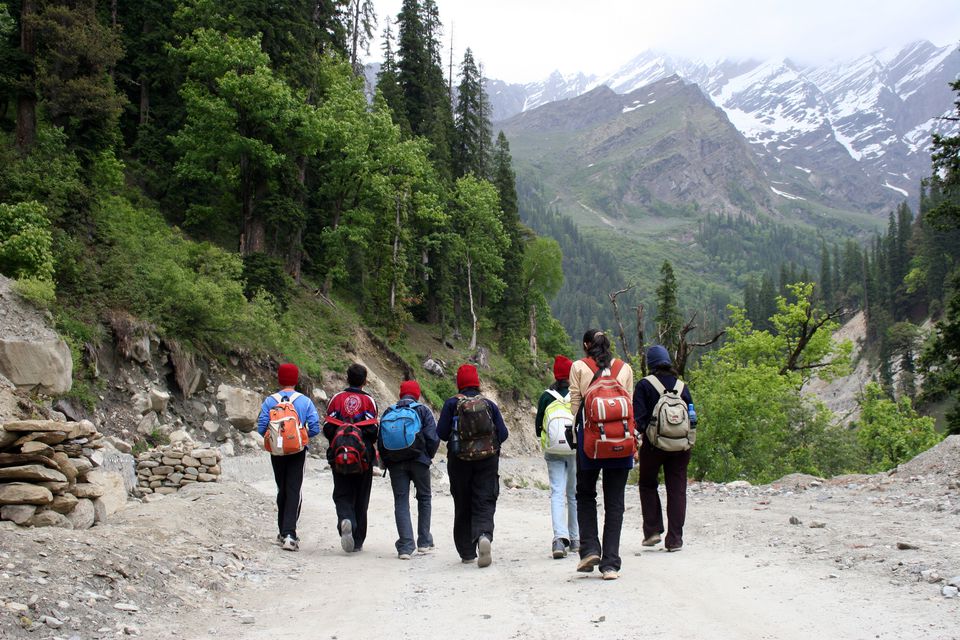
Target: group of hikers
[592,422]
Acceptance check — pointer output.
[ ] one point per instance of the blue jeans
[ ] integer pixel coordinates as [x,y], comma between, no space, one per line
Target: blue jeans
[401,474]
[563,496]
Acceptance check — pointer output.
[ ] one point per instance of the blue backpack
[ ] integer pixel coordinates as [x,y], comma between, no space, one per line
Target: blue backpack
[400,438]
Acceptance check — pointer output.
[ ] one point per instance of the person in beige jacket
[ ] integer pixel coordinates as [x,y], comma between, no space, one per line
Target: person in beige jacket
[596,345]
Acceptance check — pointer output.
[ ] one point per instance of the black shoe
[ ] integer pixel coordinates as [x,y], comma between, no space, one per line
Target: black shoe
[559,549]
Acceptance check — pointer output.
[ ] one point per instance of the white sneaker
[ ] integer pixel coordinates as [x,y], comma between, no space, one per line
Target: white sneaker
[290,544]
[346,535]
[404,556]
[484,557]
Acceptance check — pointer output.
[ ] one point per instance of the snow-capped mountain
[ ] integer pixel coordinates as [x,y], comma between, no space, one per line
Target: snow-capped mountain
[868,120]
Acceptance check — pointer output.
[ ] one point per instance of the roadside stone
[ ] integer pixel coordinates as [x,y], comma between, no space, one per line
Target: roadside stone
[950,592]
[36,448]
[795,520]
[159,400]
[87,490]
[83,515]
[739,484]
[241,406]
[50,518]
[818,525]
[43,365]
[24,493]
[34,472]
[65,503]
[148,424]
[17,513]
[906,546]
[120,445]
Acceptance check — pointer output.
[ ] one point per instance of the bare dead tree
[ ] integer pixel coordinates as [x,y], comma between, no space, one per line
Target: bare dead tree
[685,348]
[641,340]
[811,324]
[616,316]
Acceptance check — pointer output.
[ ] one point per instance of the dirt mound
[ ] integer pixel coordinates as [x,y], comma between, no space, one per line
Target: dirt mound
[797,481]
[941,460]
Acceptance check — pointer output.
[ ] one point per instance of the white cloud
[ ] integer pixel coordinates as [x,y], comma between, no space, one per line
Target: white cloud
[524,40]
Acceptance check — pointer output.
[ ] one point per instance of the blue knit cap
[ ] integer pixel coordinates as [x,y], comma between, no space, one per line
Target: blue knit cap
[657,355]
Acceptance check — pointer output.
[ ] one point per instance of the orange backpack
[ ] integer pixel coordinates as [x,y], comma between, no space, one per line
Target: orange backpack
[608,429]
[285,434]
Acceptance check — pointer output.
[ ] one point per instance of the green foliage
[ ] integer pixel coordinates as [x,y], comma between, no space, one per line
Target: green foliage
[25,241]
[669,321]
[40,293]
[471,147]
[891,432]
[263,273]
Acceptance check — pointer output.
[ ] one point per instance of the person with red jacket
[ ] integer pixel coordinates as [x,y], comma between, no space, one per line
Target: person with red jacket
[351,428]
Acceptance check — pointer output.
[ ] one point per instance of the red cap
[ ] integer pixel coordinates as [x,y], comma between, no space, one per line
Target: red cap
[561,367]
[467,376]
[410,388]
[288,375]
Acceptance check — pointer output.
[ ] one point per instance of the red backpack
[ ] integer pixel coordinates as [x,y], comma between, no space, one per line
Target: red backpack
[285,434]
[608,430]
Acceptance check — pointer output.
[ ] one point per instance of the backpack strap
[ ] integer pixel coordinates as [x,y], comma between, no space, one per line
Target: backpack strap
[656,384]
[278,396]
[678,387]
[556,395]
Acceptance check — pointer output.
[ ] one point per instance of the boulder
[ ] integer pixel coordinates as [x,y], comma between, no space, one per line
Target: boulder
[319,395]
[148,424]
[120,445]
[241,406]
[99,511]
[87,490]
[180,435]
[35,472]
[73,412]
[31,426]
[124,465]
[64,504]
[50,519]
[140,403]
[17,513]
[82,429]
[83,515]
[42,365]
[82,465]
[432,366]
[38,448]
[46,437]
[114,490]
[7,438]
[67,467]
[159,400]
[55,487]
[24,493]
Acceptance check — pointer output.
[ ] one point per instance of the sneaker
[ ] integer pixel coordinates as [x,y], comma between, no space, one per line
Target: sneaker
[587,564]
[609,574]
[559,549]
[346,535]
[483,549]
[679,547]
[404,556]
[290,544]
[574,546]
[426,549]
[651,541]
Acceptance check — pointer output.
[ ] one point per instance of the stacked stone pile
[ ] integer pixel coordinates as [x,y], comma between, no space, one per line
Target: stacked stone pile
[50,476]
[164,470]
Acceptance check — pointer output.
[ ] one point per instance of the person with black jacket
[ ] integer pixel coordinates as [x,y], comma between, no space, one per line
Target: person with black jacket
[411,465]
[651,459]
[356,410]
[561,465]
[473,429]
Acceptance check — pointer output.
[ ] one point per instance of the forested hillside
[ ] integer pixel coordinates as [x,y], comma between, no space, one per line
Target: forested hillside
[215,170]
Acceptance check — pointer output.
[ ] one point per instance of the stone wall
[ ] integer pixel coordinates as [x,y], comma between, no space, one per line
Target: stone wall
[166,469]
[50,475]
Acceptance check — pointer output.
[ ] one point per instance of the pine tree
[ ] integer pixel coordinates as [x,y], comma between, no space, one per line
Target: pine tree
[361,25]
[826,276]
[668,319]
[471,122]
[388,82]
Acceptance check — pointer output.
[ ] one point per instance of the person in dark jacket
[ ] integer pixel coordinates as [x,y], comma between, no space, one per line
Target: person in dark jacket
[561,468]
[651,459]
[615,470]
[351,491]
[474,483]
[415,467]
[288,470]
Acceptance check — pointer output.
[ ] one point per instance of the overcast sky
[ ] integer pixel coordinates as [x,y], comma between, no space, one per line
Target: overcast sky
[525,40]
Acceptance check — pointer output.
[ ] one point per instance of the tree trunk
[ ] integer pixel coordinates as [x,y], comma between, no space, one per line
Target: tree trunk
[295,248]
[144,100]
[396,251]
[533,330]
[254,235]
[356,35]
[641,341]
[26,97]
[473,311]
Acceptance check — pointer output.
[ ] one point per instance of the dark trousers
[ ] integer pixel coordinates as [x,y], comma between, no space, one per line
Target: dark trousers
[351,495]
[288,472]
[674,465]
[401,475]
[614,485]
[475,486]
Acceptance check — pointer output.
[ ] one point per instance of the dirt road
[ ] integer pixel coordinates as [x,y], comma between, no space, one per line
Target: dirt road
[745,572]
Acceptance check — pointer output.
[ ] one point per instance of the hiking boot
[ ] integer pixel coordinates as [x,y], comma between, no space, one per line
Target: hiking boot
[559,549]
[346,535]
[588,563]
[609,574]
[676,548]
[404,556]
[651,540]
[290,544]
[483,549]
[574,546]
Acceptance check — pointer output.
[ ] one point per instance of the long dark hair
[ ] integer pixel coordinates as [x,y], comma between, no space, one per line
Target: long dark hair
[665,369]
[597,346]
